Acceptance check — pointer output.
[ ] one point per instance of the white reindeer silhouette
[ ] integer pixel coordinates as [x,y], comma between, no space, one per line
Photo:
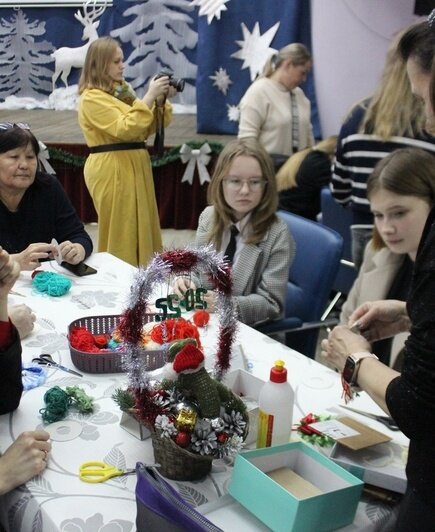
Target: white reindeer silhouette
[67,58]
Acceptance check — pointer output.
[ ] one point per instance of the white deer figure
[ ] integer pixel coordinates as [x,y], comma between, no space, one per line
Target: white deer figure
[67,58]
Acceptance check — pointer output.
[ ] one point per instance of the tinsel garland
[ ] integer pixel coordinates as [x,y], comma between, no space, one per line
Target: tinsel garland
[170,155]
[178,262]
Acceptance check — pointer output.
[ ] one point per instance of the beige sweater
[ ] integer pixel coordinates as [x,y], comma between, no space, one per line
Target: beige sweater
[265,113]
[378,270]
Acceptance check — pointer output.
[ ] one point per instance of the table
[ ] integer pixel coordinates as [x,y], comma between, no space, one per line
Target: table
[58,500]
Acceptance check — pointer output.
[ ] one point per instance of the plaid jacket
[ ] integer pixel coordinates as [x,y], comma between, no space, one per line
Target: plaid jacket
[261,272]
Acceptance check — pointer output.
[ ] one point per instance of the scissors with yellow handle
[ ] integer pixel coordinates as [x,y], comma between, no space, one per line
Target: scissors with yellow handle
[100,472]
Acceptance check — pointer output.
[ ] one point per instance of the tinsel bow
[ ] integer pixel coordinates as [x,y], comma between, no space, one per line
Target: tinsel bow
[195,158]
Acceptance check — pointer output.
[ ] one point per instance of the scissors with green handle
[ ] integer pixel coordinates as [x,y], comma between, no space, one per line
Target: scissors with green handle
[100,472]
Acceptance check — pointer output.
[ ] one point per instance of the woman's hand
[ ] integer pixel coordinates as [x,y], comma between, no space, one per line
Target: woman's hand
[72,253]
[23,318]
[341,343]
[157,91]
[24,459]
[381,319]
[210,299]
[9,272]
[30,257]
[181,285]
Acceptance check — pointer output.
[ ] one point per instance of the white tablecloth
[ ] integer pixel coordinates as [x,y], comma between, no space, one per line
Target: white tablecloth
[57,500]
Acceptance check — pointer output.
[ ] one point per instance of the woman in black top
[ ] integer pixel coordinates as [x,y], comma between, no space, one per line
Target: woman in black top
[301,179]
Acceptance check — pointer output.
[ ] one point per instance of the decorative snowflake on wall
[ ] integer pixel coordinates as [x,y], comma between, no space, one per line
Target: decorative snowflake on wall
[233,113]
[221,80]
[211,8]
[255,48]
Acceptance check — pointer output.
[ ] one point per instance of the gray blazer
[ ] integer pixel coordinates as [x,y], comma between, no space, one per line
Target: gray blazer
[261,272]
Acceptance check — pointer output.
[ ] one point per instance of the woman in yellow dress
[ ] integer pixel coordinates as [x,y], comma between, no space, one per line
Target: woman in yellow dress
[118,171]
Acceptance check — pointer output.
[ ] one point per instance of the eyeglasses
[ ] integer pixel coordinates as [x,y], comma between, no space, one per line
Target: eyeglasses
[255,185]
[10,125]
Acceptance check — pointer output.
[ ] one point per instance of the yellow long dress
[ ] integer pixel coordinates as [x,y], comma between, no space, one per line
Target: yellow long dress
[121,182]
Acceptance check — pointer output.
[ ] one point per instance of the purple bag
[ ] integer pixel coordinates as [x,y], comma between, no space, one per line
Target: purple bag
[160,507]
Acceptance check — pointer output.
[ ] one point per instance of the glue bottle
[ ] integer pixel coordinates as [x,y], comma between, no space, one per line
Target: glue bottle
[275,404]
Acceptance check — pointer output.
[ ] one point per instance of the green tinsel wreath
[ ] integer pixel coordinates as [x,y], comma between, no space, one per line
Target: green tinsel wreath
[170,155]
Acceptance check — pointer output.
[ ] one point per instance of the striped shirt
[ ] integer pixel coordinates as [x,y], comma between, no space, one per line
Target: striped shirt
[356,156]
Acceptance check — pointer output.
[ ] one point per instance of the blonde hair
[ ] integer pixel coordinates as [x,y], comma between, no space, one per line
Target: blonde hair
[263,216]
[94,73]
[393,110]
[406,172]
[286,176]
[296,52]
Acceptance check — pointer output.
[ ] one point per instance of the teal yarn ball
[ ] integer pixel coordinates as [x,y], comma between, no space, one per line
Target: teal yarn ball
[51,283]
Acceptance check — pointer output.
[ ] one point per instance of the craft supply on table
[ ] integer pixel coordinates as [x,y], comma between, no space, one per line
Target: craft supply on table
[51,283]
[276,408]
[97,471]
[58,402]
[46,359]
[32,376]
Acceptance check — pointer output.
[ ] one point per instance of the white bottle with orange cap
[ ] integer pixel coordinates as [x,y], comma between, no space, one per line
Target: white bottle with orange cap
[275,403]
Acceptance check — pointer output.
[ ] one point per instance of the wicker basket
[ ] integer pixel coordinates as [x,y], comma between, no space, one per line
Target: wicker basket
[110,362]
[176,463]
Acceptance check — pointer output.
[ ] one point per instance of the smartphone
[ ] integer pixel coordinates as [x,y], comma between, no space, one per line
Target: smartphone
[79,269]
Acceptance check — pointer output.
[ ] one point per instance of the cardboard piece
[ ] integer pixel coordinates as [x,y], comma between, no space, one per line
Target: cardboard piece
[381,465]
[294,483]
[282,511]
[366,437]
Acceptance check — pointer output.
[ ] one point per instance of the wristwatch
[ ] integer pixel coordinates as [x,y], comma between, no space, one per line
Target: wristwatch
[350,371]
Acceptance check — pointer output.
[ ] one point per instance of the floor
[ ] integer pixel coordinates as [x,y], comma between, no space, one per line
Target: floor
[62,126]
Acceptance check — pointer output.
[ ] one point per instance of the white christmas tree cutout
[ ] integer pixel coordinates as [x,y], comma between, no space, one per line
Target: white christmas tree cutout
[255,48]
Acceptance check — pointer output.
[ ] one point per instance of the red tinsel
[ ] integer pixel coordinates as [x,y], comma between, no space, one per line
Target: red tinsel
[132,322]
[180,260]
[146,409]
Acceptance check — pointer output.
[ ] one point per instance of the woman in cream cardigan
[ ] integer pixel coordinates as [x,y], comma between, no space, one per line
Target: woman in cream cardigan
[274,109]
[401,194]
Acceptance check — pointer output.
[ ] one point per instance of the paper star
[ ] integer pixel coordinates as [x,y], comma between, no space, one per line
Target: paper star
[233,113]
[255,49]
[211,8]
[221,80]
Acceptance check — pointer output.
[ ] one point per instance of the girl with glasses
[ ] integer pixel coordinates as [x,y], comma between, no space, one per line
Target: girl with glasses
[241,223]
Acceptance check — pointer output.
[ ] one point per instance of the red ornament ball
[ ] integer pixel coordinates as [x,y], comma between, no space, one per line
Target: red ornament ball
[201,318]
[222,437]
[182,439]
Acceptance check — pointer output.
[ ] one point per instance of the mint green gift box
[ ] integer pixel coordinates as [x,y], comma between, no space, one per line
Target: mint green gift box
[281,511]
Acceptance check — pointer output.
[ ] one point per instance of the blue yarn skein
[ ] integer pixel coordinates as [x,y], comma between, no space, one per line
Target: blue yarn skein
[51,283]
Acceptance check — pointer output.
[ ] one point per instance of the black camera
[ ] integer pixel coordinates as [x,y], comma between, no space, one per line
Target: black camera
[177,83]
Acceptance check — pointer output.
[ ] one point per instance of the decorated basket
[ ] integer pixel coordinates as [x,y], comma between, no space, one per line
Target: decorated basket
[109,361]
[192,416]
[176,463]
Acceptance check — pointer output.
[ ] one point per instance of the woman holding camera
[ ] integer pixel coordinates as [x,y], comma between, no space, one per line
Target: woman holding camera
[118,174]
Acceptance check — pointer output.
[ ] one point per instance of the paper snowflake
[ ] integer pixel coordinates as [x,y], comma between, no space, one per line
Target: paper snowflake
[255,49]
[221,80]
[233,113]
[211,8]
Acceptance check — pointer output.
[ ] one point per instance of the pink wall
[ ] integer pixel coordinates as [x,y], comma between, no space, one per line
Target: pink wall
[350,40]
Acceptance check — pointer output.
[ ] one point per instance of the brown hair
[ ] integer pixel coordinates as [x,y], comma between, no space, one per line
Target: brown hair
[406,172]
[286,176]
[263,216]
[393,109]
[94,74]
[296,51]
